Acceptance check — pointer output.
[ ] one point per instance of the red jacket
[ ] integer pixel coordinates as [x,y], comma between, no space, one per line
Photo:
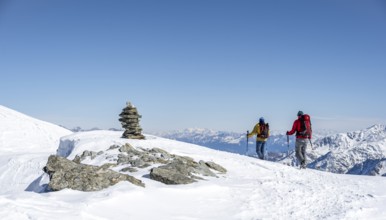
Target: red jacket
[296,127]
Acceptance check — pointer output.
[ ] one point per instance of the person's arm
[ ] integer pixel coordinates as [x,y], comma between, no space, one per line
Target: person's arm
[254,131]
[294,128]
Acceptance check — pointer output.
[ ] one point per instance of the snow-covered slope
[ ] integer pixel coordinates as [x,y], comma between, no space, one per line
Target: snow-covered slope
[25,143]
[251,189]
[21,133]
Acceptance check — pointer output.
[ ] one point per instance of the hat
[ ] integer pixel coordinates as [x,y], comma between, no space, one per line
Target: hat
[300,113]
[261,120]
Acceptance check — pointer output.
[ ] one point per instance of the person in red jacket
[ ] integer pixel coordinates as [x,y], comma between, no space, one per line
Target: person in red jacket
[302,127]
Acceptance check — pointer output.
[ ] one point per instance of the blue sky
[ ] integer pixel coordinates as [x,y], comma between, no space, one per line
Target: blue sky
[215,64]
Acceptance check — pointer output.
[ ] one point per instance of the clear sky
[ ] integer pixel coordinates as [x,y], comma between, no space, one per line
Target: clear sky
[218,64]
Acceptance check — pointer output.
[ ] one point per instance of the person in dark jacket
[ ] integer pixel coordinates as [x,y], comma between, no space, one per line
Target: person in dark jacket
[302,139]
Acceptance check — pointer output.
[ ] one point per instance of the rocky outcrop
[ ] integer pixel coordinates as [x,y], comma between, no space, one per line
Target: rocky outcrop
[163,166]
[181,170]
[65,173]
[91,154]
[215,166]
[129,119]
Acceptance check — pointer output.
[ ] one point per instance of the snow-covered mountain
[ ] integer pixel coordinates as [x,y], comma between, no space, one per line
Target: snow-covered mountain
[218,140]
[359,152]
[234,142]
[80,129]
[251,189]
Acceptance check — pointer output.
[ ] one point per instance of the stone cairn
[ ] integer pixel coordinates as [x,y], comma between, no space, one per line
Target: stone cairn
[129,119]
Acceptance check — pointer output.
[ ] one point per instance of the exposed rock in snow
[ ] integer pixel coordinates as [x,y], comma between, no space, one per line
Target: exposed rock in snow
[65,173]
[164,166]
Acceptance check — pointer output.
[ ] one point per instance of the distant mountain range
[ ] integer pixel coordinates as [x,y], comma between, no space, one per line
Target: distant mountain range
[361,152]
[79,129]
[235,142]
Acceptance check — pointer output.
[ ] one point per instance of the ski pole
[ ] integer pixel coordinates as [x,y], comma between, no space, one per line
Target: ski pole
[287,145]
[246,152]
[311,144]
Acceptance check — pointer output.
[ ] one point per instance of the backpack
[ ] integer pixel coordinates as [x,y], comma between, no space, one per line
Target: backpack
[264,128]
[305,126]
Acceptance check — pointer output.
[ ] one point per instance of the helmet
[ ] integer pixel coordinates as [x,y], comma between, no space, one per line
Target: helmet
[261,120]
[300,113]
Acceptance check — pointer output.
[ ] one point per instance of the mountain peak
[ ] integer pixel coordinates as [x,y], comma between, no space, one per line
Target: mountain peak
[377,127]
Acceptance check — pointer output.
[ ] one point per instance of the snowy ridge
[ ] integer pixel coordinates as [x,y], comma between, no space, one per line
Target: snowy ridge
[21,133]
[25,143]
[359,152]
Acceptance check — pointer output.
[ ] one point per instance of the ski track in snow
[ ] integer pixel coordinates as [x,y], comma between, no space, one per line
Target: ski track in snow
[293,197]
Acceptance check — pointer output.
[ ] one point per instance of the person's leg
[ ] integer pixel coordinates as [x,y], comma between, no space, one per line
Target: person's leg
[298,152]
[304,148]
[301,145]
[262,150]
[258,149]
[299,149]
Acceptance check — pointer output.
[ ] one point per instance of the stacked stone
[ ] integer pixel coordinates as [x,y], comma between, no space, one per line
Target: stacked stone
[129,119]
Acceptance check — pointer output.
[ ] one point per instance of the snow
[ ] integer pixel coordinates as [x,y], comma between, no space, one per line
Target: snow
[21,133]
[251,189]
[347,152]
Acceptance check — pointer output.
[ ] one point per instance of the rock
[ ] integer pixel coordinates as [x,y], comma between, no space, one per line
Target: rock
[175,169]
[77,159]
[203,169]
[112,147]
[137,163]
[129,119]
[180,171]
[65,173]
[160,154]
[215,166]
[123,159]
[108,165]
[169,176]
[129,169]
[129,149]
[86,153]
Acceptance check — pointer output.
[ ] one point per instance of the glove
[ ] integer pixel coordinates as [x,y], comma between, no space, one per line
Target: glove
[287,133]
